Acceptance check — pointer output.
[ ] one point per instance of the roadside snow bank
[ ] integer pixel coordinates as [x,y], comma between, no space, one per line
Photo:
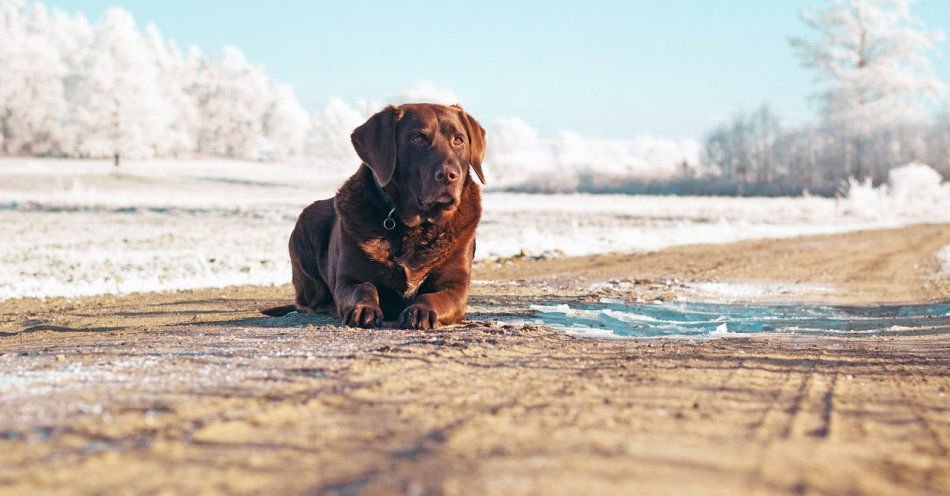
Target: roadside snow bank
[913,191]
[73,228]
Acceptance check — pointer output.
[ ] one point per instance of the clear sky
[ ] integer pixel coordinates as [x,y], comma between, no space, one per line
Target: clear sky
[610,69]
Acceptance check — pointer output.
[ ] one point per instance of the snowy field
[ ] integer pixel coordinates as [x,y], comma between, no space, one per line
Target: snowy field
[73,228]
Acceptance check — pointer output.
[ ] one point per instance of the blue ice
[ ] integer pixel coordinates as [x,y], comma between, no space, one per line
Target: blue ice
[720,320]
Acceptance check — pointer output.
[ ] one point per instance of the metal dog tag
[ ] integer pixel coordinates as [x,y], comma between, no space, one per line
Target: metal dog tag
[389,223]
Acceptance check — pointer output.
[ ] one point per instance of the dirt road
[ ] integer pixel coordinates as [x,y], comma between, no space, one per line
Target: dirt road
[194,392]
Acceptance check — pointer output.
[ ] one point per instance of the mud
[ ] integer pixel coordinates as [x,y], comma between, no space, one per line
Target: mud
[194,392]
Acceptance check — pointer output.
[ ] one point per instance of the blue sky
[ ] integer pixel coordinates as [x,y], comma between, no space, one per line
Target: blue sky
[609,69]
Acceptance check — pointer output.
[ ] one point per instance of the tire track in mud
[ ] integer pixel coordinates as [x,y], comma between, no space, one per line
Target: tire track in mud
[904,422]
[798,401]
[802,398]
[826,408]
[765,428]
[930,473]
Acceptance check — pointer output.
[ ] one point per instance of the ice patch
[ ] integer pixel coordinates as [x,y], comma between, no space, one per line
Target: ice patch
[622,316]
[717,320]
[722,331]
[587,332]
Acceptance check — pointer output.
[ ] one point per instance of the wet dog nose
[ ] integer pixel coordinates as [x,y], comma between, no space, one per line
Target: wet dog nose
[446,174]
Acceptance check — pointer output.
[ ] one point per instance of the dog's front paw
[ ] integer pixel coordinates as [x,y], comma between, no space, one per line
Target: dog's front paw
[418,316]
[364,315]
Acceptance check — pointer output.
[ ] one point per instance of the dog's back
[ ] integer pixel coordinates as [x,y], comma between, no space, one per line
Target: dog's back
[309,246]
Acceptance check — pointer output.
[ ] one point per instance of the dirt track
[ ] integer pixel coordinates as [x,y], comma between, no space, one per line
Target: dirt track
[194,393]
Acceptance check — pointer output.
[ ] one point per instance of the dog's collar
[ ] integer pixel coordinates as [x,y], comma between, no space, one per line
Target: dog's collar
[389,223]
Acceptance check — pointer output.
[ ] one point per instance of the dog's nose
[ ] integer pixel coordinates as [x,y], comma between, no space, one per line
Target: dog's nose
[447,174]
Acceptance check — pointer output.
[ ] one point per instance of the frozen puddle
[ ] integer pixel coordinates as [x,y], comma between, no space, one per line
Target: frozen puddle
[714,320]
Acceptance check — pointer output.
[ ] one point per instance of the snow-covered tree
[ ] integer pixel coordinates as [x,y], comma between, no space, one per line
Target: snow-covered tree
[744,149]
[116,105]
[233,98]
[518,157]
[180,107]
[285,123]
[424,92]
[329,138]
[938,142]
[872,60]
[516,152]
[36,48]
[872,57]
[70,89]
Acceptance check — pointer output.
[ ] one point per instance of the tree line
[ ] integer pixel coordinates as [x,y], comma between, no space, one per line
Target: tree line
[70,88]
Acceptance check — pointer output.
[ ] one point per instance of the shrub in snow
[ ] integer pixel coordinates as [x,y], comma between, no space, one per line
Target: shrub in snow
[917,183]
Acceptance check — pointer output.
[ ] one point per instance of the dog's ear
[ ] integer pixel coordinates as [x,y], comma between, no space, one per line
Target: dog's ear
[375,143]
[476,139]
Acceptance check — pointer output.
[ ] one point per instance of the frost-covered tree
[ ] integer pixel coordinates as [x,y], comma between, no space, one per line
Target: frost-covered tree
[424,92]
[519,157]
[872,58]
[36,54]
[744,148]
[516,153]
[329,138]
[179,107]
[285,123]
[872,61]
[938,142]
[233,97]
[109,91]
[116,105]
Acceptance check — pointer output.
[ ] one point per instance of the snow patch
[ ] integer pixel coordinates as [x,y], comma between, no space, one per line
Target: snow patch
[733,291]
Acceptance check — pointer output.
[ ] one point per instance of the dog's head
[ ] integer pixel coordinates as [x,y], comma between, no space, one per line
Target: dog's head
[420,155]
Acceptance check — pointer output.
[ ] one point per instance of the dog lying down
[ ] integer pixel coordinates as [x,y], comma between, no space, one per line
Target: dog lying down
[397,240]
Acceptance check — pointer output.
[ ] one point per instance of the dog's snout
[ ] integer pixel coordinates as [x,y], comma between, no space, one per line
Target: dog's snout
[447,174]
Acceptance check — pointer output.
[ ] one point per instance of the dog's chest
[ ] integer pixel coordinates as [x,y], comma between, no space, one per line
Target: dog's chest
[412,279]
[404,280]
[405,269]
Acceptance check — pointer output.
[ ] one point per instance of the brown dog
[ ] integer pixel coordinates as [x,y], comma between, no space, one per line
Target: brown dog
[397,240]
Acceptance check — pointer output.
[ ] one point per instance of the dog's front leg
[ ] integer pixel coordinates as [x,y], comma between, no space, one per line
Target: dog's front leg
[358,304]
[444,306]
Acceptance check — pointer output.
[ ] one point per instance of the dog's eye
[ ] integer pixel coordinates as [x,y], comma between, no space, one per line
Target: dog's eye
[457,140]
[418,140]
